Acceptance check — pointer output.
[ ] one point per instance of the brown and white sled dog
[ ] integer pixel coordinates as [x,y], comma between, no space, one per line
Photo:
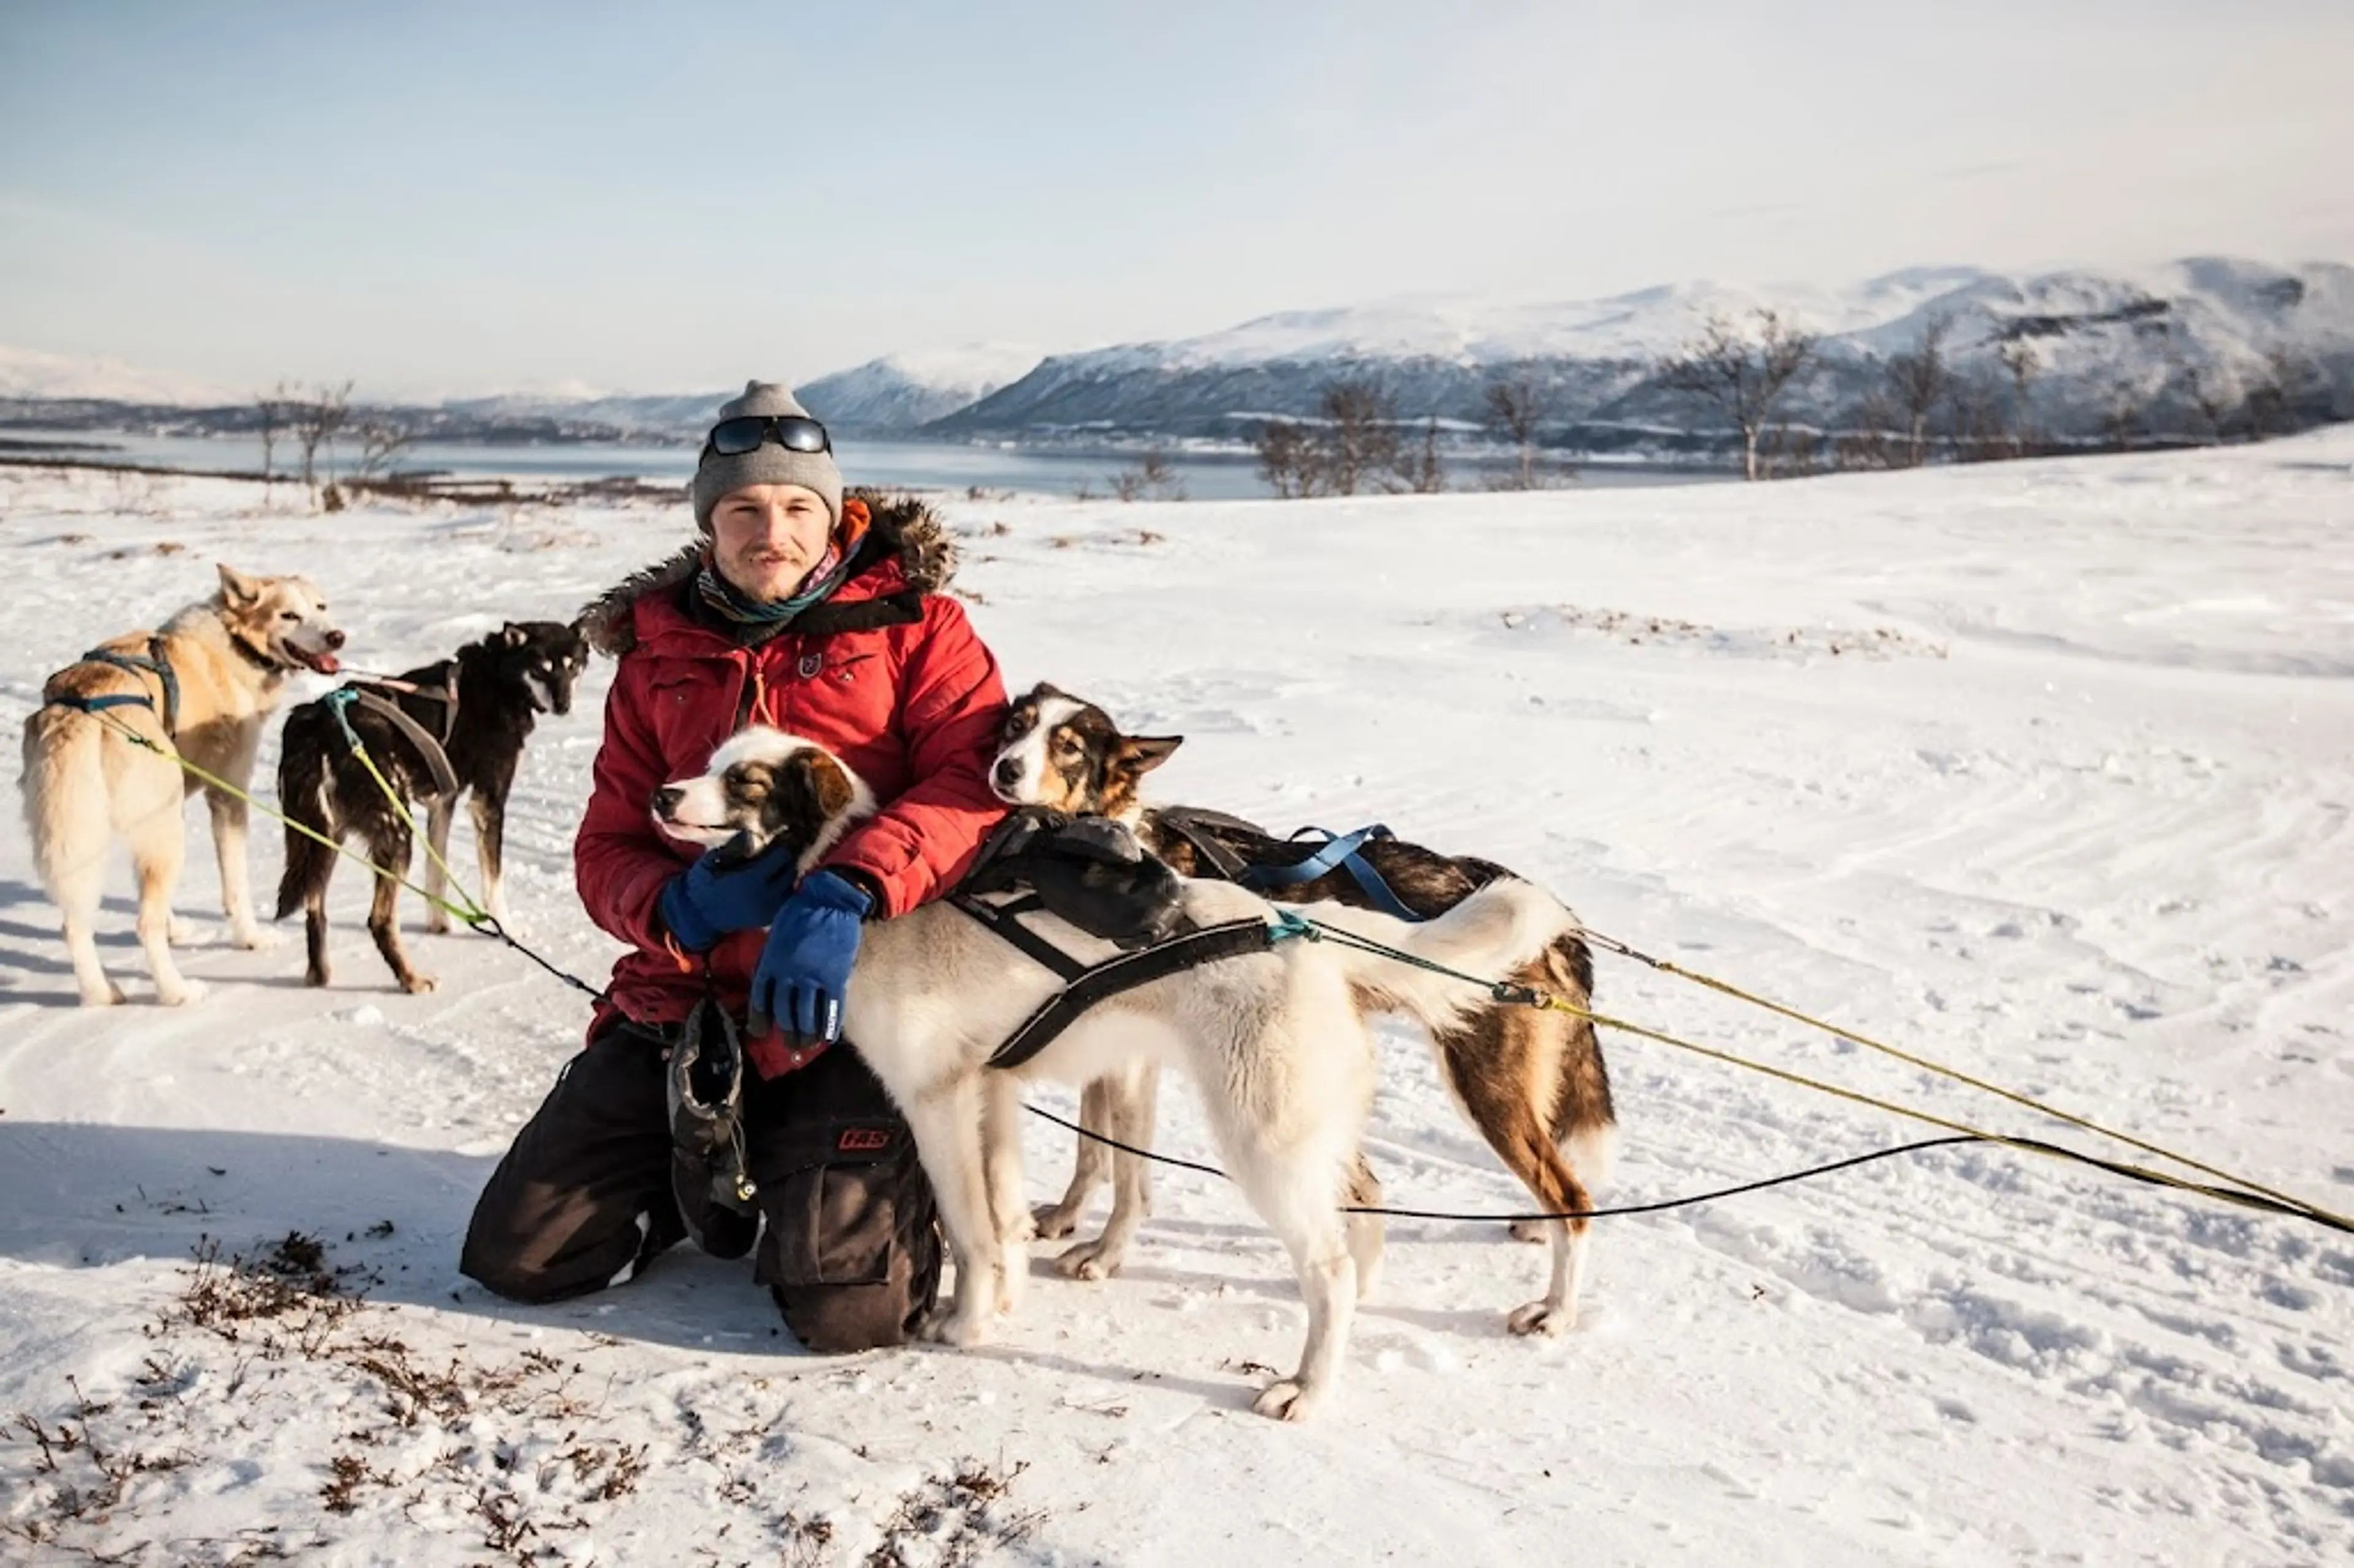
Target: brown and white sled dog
[1533,1082]
[1273,1041]
[86,782]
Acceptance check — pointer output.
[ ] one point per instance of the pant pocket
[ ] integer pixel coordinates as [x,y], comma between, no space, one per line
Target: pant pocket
[832,1224]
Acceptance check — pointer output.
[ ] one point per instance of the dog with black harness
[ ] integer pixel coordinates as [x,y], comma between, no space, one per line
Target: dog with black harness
[452,728]
[1271,1034]
[1532,1081]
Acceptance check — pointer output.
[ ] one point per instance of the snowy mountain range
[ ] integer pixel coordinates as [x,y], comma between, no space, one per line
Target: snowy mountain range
[2155,343]
[2097,339]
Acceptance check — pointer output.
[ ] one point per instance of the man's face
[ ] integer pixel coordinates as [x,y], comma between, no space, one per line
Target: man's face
[766,537]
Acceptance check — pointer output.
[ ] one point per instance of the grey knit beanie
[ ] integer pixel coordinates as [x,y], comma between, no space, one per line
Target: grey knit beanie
[767,464]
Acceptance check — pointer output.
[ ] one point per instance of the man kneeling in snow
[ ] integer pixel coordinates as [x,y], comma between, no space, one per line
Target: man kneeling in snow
[808,612]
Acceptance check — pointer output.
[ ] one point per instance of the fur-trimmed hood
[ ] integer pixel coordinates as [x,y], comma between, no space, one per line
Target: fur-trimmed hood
[899,528]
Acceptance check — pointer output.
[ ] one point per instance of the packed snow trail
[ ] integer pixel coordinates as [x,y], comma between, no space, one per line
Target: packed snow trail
[2041,770]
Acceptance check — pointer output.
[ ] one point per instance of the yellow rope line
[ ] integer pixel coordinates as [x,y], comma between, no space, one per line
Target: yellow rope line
[213,781]
[2024,1146]
[1726,988]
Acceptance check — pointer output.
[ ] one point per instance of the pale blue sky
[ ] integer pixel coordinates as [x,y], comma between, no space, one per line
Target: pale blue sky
[441,198]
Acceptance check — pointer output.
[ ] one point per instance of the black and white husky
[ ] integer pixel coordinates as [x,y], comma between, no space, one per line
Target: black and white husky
[1532,1081]
[1275,1042]
[480,706]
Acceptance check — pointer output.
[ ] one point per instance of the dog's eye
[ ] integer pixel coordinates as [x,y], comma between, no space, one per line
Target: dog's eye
[289,615]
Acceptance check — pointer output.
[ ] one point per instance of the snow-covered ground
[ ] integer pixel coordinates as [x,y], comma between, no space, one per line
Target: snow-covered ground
[2044,769]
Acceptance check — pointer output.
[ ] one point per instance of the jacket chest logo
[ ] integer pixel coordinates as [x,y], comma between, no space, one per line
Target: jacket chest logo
[811,666]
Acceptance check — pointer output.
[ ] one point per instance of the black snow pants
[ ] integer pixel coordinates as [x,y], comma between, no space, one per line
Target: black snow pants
[592,1190]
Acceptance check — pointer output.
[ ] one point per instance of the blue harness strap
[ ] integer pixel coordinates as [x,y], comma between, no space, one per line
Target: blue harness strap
[153,663]
[1335,853]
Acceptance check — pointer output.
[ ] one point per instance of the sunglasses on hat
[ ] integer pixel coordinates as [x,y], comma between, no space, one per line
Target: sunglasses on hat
[794,432]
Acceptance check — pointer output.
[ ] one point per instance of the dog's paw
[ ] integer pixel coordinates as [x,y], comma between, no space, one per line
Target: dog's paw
[181,994]
[254,939]
[180,932]
[1542,1317]
[1052,1222]
[1532,1231]
[962,1330]
[437,923]
[1091,1260]
[1288,1399]
[419,985]
[112,996]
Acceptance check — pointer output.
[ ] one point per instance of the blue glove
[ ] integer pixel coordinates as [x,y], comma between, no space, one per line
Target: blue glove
[805,969]
[719,894]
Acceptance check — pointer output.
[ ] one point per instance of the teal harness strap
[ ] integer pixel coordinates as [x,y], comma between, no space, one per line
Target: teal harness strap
[153,663]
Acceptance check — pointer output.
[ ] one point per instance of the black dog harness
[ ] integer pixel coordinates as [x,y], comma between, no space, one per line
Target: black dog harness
[1084,985]
[153,663]
[1091,874]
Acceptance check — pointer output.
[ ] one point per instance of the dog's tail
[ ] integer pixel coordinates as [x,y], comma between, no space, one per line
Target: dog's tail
[1499,929]
[66,800]
[303,795]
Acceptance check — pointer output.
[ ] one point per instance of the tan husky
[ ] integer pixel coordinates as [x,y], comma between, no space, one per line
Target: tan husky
[203,688]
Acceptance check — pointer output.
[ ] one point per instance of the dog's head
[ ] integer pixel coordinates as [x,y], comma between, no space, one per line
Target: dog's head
[546,657]
[282,619]
[763,787]
[1059,752]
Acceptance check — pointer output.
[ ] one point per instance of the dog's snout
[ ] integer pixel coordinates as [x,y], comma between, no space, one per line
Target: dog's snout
[335,639]
[666,800]
[1009,772]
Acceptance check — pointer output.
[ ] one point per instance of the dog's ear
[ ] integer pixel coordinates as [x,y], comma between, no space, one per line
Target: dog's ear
[1141,754]
[1046,689]
[828,783]
[237,590]
[513,636]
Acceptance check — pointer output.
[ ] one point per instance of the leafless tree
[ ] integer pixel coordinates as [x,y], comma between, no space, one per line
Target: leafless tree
[1517,405]
[2021,362]
[1287,460]
[2216,394]
[2273,393]
[1359,440]
[1419,467]
[270,412]
[316,417]
[1742,368]
[381,438]
[2122,424]
[1918,380]
[1974,421]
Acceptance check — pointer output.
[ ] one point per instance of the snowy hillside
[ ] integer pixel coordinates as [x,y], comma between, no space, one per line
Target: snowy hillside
[28,373]
[2092,334]
[2044,768]
[901,391]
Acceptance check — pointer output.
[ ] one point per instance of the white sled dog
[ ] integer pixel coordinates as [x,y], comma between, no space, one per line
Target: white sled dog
[203,688]
[1274,1041]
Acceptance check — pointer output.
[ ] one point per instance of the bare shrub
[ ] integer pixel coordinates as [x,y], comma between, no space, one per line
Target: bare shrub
[316,418]
[1918,380]
[1359,438]
[1153,479]
[1287,460]
[1517,406]
[2021,362]
[1743,368]
[1419,467]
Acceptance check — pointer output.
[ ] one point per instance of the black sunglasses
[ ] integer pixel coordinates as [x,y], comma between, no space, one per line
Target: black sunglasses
[794,432]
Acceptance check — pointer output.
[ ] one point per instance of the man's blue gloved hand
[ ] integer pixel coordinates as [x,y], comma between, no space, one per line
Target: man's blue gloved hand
[805,969]
[718,895]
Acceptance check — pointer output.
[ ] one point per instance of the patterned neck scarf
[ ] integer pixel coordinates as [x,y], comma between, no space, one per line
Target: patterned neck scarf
[737,607]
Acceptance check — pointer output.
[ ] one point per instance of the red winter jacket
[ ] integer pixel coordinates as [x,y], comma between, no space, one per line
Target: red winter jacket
[887,673]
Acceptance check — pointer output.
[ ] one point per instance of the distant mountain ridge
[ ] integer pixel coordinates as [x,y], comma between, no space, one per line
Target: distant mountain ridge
[2097,337]
[2156,341]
